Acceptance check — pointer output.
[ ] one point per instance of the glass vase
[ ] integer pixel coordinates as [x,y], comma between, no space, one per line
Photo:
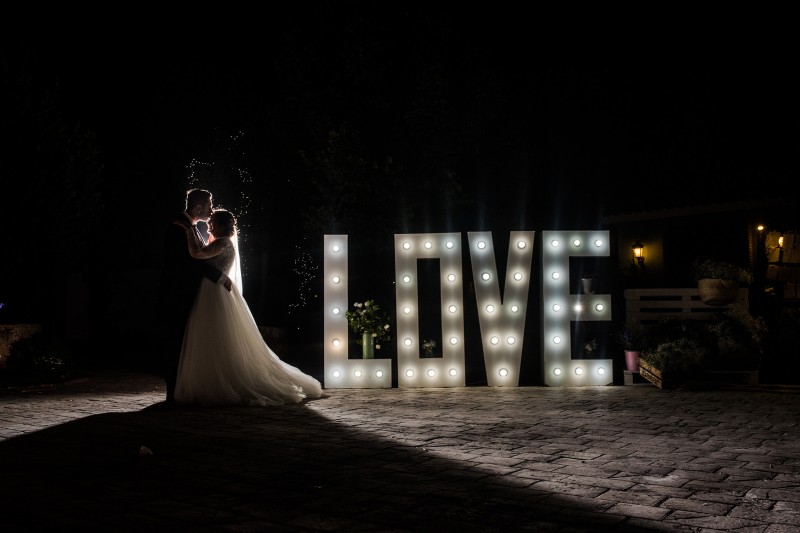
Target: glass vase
[368,345]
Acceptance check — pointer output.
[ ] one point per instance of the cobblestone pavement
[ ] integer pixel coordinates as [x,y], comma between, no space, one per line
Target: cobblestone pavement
[105,453]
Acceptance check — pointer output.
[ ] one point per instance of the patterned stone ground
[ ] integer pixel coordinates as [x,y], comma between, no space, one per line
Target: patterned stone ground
[104,453]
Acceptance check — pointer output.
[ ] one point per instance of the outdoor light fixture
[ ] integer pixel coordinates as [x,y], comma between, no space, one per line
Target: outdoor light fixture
[638,252]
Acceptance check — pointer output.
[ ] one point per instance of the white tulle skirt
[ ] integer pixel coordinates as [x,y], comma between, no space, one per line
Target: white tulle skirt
[225,361]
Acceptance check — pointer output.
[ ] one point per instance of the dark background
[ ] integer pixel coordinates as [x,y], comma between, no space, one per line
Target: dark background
[363,118]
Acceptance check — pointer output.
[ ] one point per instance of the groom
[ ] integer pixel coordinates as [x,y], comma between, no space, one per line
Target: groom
[180,279]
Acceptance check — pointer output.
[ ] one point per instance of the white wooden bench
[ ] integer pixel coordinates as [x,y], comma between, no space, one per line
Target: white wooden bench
[651,305]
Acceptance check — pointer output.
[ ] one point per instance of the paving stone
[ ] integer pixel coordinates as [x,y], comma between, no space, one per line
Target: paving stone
[470,458]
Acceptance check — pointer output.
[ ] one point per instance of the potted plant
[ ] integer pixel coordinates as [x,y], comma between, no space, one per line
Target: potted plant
[718,281]
[631,336]
[669,363]
[738,339]
[371,323]
[589,283]
[427,347]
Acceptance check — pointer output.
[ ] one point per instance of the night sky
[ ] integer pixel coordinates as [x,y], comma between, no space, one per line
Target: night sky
[441,118]
[545,111]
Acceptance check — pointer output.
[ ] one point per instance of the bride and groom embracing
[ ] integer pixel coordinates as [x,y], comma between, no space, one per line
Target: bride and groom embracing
[213,352]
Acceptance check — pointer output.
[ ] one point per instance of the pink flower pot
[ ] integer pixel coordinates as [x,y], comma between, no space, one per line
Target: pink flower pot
[632,360]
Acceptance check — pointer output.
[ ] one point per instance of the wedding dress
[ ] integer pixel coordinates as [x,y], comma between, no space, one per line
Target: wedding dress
[224,360]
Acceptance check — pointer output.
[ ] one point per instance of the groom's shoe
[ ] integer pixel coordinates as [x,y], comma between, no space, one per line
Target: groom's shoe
[170,393]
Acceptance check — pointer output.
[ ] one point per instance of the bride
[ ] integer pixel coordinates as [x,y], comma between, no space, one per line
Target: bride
[224,360]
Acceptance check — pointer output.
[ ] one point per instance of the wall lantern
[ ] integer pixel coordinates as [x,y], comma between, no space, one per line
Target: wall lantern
[638,252]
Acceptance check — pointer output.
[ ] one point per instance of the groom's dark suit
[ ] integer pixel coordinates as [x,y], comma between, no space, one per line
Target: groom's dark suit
[180,280]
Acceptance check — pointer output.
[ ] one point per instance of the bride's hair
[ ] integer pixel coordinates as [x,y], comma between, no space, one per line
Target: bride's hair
[224,221]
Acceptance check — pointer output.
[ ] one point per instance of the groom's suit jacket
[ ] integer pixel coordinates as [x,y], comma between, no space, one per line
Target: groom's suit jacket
[180,279]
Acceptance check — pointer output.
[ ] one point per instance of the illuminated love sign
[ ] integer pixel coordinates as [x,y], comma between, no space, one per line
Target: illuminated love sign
[502,317]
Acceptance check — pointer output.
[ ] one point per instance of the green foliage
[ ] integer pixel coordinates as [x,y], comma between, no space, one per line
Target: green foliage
[632,335]
[730,339]
[38,359]
[680,355]
[368,318]
[704,268]
[736,331]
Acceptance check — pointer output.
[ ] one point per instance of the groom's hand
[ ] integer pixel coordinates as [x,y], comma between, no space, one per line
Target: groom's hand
[228,284]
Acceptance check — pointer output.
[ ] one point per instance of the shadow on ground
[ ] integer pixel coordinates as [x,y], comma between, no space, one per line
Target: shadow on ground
[269,469]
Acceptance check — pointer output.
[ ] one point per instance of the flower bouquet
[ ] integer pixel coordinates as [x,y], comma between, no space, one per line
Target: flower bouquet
[371,323]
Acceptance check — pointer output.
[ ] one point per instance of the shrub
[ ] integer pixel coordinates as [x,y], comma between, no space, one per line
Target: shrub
[38,359]
[704,268]
[678,356]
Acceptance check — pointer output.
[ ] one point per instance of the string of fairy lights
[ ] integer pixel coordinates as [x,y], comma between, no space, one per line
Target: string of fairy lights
[306,271]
